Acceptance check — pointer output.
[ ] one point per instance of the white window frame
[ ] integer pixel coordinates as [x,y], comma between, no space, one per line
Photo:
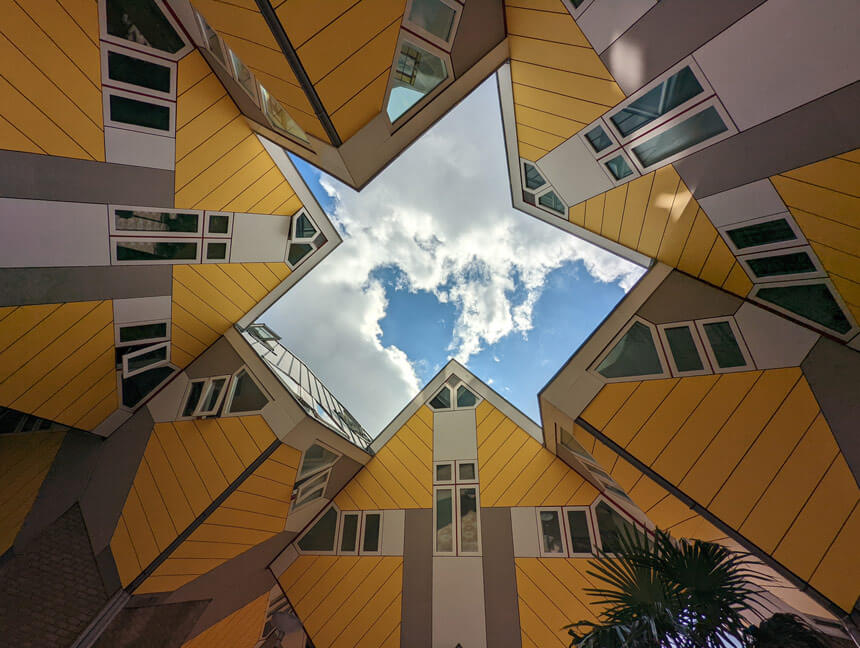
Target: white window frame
[116,40]
[161,338]
[361,528]
[569,533]
[341,526]
[205,250]
[232,57]
[454,520]
[311,484]
[546,190]
[436,393]
[627,158]
[207,386]
[697,341]
[817,273]
[445,482]
[232,390]
[143,400]
[561,529]
[405,37]
[536,190]
[700,326]
[319,469]
[115,231]
[636,520]
[423,33]
[303,259]
[108,92]
[202,24]
[585,455]
[295,219]
[115,240]
[459,527]
[313,523]
[127,373]
[454,390]
[456,475]
[207,217]
[599,155]
[133,53]
[767,247]
[753,296]
[661,354]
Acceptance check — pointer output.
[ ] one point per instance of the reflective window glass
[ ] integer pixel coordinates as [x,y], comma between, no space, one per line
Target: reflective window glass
[129,69]
[683,348]
[633,355]
[212,39]
[142,332]
[139,386]
[782,264]
[688,133]
[143,360]
[416,73]
[370,542]
[726,349]
[445,519]
[569,441]
[598,139]
[246,396]
[658,101]
[278,115]
[139,113]
[434,17]
[141,22]
[442,400]
[774,231]
[298,251]
[579,536]
[469,520]
[216,251]
[349,535]
[815,302]
[128,220]
[466,472]
[316,458]
[321,535]
[619,168]
[243,74]
[211,398]
[533,177]
[551,201]
[444,472]
[219,224]
[612,525]
[193,397]
[465,398]
[550,527]
[304,227]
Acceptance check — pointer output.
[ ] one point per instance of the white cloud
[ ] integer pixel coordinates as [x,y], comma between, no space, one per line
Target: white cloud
[441,214]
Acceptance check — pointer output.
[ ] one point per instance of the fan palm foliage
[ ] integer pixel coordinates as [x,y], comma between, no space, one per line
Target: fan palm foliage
[783,631]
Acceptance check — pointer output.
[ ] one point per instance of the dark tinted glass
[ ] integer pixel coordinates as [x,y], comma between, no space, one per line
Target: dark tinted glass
[725,346]
[465,398]
[128,69]
[247,397]
[442,400]
[533,177]
[141,21]
[146,359]
[782,264]
[139,113]
[551,201]
[371,532]
[138,387]
[433,16]
[619,168]
[129,220]
[581,539]
[611,526]
[216,251]
[193,398]
[155,251]
[683,349]
[214,393]
[467,472]
[350,533]
[774,231]
[304,227]
[219,224]
[321,535]
[550,527]
[142,332]
[634,355]
[655,103]
[298,251]
[680,137]
[814,302]
[444,473]
[598,139]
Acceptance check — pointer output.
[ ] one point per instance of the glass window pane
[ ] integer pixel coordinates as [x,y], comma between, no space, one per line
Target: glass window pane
[814,302]
[212,39]
[247,397]
[145,359]
[467,472]
[579,535]
[212,395]
[569,441]
[611,525]
[243,74]
[533,177]
[128,69]
[444,472]
[142,332]
[551,201]
[468,519]
[193,398]
[433,16]
[216,251]
[350,532]
[298,251]
[416,74]
[442,400]
[219,224]
[598,139]
[782,264]
[634,355]
[465,398]
[619,168]
[139,386]
[139,113]
[725,346]
[683,348]
[688,133]
[128,220]
[304,227]
[141,21]
[279,117]
[316,458]
[371,532]
[444,519]
[321,535]
[774,231]
[309,496]
[658,101]
[550,527]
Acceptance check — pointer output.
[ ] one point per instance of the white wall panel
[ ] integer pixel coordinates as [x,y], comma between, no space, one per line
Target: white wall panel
[393,529]
[773,341]
[455,435]
[574,173]
[524,526]
[141,309]
[742,203]
[605,20]
[139,149]
[259,237]
[458,602]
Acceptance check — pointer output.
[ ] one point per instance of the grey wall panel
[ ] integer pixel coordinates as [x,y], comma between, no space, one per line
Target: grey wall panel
[680,297]
[44,177]
[833,373]
[603,22]
[458,602]
[20,286]
[416,624]
[343,470]
[219,359]
[455,435]
[773,341]
[500,579]
[482,27]
[820,129]
[667,33]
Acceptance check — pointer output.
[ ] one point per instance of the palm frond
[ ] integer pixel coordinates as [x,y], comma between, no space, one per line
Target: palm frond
[783,631]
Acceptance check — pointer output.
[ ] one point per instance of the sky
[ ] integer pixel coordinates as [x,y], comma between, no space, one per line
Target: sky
[436,264]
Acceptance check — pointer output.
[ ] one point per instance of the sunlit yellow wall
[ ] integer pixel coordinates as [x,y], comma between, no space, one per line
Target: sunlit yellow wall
[347,601]
[57,361]
[824,199]
[242,629]
[50,78]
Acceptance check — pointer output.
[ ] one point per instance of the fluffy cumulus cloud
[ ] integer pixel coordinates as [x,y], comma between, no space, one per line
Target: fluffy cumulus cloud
[441,215]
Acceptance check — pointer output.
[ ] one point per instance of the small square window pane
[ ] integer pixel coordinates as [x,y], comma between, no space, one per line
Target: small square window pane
[434,17]
[774,231]
[633,355]
[216,251]
[219,224]
[579,535]
[693,130]
[468,520]
[683,348]
[782,264]
[619,168]
[550,526]
[598,139]
[467,472]
[726,349]
[445,519]
[444,473]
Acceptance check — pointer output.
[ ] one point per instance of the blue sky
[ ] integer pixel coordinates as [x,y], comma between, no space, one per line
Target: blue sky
[436,264]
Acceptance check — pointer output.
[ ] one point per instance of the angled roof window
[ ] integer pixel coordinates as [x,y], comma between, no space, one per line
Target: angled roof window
[685,353]
[534,179]
[725,346]
[316,458]
[416,74]
[297,252]
[433,16]
[465,398]
[142,22]
[684,135]
[552,202]
[678,88]
[811,301]
[635,354]
[304,227]
[618,167]
[321,536]
[278,115]
[598,139]
[245,394]
[442,400]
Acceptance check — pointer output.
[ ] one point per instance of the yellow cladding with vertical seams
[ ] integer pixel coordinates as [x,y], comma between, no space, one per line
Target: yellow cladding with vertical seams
[559,83]
[754,449]
[50,78]
[24,461]
[516,470]
[241,629]
[347,601]
[824,200]
[220,163]
[57,361]
[399,476]
[209,298]
[186,465]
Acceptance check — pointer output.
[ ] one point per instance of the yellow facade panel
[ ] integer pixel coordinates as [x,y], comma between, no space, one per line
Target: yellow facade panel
[637,409]
[828,232]
[73,25]
[142,538]
[660,203]
[330,616]
[495,465]
[261,196]
[361,107]
[613,212]
[544,26]
[576,214]
[217,177]
[571,58]
[718,264]
[377,493]
[737,281]
[154,507]
[638,192]
[180,463]
[11,139]
[552,605]
[168,484]
[545,121]
[837,576]
[226,516]
[822,201]
[557,104]
[304,18]
[594,213]
[228,18]
[221,450]
[529,152]
[572,84]
[545,484]
[123,553]
[497,490]
[538,138]
[684,209]
[698,245]
[70,402]
[837,262]
[834,173]
[607,402]
[201,456]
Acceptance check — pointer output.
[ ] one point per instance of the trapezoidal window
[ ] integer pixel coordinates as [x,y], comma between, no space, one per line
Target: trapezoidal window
[694,130]
[634,355]
[533,178]
[136,71]
[612,526]
[136,388]
[552,202]
[812,301]
[724,345]
[316,458]
[140,220]
[765,234]
[142,22]
[685,352]
[278,116]
[579,531]
[442,400]
[416,74]
[245,394]
[321,536]
[435,19]
[465,398]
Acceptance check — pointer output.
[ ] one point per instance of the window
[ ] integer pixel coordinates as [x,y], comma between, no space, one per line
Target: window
[216,251]
[243,75]
[552,202]
[813,301]
[443,513]
[686,354]
[465,398]
[143,23]
[724,346]
[311,489]
[149,115]
[349,533]
[148,357]
[316,458]
[278,116]
[303,227]
[434,19]
[598,139]
[320,538]
[783,264]
[416,74]
[680,137]
[567,439]
[263,333]
[444,473]
[469,538]
[762,234]
[456,509]
[203,397]
[218,224]
[467,471]
[145,251]
[213,41]
[137,387]
[146,220]
[442,400]
[549,532]
[578,528]
[532,177]
[611,526]
[618,167]
[635,354]
[370,540]
[136,71]
[139,333]
[246,396]
[297,253]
